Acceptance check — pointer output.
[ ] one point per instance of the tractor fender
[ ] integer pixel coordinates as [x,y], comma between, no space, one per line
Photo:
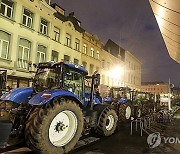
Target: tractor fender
[107,99]
[18,95]
[123,100]
[46,96]
[99,108]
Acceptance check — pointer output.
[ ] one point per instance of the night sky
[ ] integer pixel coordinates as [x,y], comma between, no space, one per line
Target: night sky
[132,25]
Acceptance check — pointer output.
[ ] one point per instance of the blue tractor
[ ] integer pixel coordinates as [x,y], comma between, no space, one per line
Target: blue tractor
[121,99]
[55,112]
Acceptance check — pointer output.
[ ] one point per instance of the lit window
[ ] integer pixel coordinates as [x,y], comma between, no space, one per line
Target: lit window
[97,54]
[92,52]
[7,8]
[44,27]
[4,44]
[77,44]
[27,18]
[41,53]
[85,48]
[56,34]
[23,53]
[68,40]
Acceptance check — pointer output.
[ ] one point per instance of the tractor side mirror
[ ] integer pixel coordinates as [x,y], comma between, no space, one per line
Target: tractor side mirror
[97,80]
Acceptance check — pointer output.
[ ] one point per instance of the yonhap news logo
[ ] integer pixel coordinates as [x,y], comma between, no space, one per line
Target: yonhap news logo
[155,140]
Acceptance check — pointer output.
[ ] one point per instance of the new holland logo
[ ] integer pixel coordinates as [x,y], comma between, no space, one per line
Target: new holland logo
[154,140]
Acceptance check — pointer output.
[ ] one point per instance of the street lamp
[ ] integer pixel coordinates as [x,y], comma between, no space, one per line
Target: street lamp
[116,73]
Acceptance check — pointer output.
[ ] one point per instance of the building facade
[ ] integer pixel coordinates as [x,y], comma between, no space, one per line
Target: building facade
[91,52]
[155,87]
[34,31]
[132,74]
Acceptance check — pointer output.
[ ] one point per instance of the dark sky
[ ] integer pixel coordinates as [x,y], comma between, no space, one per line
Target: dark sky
[132,25]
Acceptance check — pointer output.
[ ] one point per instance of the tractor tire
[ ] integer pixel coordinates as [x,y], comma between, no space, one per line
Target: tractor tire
[137,112]
[55,128]
[107,122]
[145,109]
[125,112]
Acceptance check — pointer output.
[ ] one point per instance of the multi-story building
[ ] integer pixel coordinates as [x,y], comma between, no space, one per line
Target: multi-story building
[131,66]
[132,73]
[155,87]
[34,31]
[91,52]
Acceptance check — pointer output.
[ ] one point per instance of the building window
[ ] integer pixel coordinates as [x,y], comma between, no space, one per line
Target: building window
[84,64]
[76,61]
[41,53]
[108,65]
[66,58]
[103,63]
[56,34]
[92,52]
[77,44]
[68,40]
[97,54]
[23,53]
[27,18]
[7,8]
[44,27]
[85,48]
[54,56]
[103,79]
[4,44]
[91,71]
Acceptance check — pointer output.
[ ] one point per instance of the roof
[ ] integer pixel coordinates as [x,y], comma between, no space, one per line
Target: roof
[167,15]
[78,68]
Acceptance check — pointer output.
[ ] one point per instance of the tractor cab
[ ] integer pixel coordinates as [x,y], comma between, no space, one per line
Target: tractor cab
[52,76]
[119,94]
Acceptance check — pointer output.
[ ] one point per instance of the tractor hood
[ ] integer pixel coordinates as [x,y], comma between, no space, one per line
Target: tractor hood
[18,95]
[47,95]
[123,100]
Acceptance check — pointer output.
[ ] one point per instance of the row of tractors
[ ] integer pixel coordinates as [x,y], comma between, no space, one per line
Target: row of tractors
[53,114]
[130,103]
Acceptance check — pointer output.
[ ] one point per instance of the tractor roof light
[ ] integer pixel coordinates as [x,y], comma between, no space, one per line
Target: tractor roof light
[45,95]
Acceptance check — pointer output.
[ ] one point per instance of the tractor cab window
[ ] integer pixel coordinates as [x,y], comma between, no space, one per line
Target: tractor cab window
[117,93]
[73,82]
[47,78]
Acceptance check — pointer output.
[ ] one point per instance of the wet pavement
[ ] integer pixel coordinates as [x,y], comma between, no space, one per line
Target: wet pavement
[122,142]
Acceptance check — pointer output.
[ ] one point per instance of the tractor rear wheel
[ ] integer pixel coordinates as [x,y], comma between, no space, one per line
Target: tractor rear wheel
[125,111]
[55,129]
[145,108]
[107,122]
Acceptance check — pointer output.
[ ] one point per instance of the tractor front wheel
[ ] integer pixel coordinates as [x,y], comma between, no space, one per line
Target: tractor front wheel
[107,122]
[125,111]
[55,129]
